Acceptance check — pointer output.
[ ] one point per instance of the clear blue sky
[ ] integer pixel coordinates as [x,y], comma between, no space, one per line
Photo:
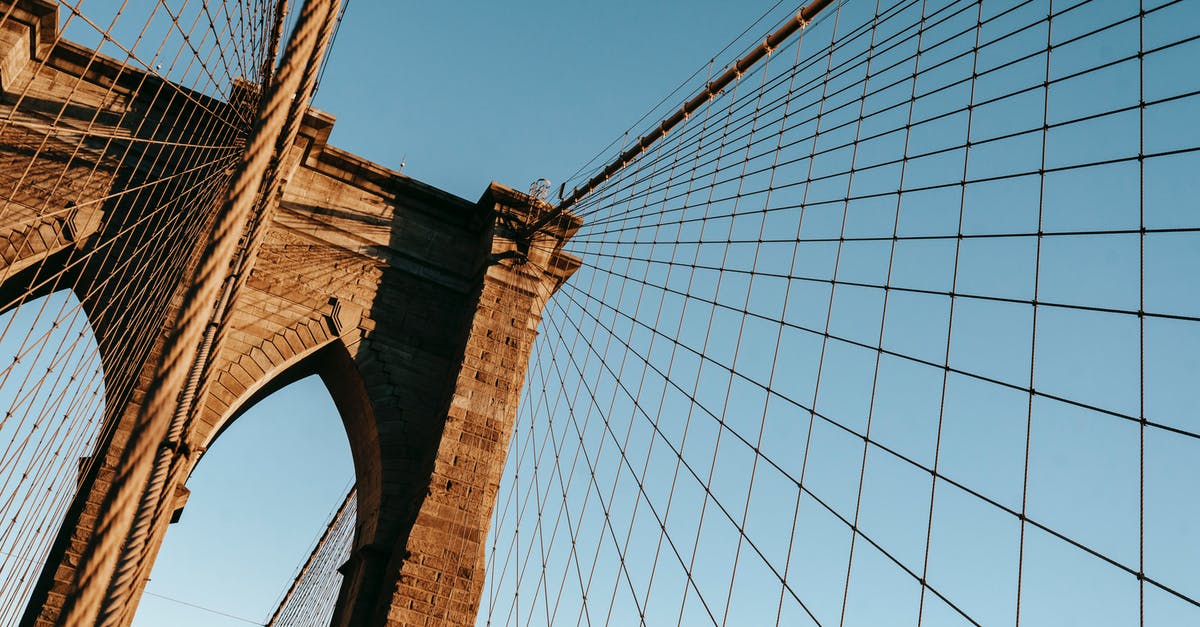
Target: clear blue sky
[469,92]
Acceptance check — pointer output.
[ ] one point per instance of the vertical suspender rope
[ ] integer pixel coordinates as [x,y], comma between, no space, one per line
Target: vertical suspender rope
[291,592]
[99,558]
[268,71]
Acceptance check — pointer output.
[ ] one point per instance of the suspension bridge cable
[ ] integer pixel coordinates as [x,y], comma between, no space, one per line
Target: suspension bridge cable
[894,291]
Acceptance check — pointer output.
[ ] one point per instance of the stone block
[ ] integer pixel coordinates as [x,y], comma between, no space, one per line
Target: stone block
[14,53]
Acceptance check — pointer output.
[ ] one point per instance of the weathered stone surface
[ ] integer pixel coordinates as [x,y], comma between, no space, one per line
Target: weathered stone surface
[417,308]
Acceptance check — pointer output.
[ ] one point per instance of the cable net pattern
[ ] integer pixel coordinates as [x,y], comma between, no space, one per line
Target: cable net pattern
[311,598]
[107,183]
[899,328]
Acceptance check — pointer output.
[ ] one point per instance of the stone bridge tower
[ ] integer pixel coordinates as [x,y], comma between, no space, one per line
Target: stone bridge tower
[417,308]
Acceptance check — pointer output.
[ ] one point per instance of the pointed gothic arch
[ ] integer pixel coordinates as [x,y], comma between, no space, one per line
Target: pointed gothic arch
[333,364]
[256,498]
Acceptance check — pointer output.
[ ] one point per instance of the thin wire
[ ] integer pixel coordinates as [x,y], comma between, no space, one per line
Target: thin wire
[586,170]
[1021,548]
[201,607]
[704,250]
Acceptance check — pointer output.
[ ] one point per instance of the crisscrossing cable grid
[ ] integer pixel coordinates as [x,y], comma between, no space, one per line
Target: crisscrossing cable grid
[898,328]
